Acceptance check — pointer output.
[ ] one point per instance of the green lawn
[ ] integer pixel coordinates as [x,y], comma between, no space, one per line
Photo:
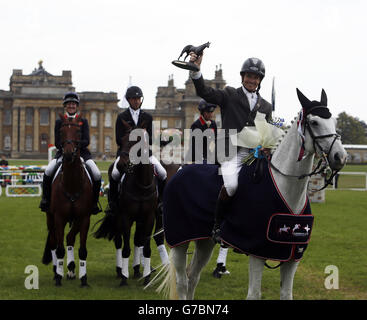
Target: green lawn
[338,238]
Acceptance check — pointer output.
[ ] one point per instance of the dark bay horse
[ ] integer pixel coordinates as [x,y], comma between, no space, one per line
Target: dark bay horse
[71,201]
[137,202]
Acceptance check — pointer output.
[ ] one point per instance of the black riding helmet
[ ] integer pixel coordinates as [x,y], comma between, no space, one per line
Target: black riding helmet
[133,92]
[71,97]
[253,65]
[206,106]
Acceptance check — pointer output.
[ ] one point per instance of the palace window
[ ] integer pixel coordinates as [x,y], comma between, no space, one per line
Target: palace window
[28,143]
[44,117]
[107,120]
[29,117]
[94,119]
[164,124]
[44,140]
[107,144]
[93,143]
[7,117]
[7,143]
[178,124]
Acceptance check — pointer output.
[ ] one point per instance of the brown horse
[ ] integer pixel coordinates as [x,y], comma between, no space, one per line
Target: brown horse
[137,203]
[71,201]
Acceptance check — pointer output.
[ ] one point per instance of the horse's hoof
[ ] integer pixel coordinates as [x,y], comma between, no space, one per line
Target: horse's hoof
[83,282]
[70,275]
[123,281]
[216,274]
[146,279]
[137,273]
[58,280]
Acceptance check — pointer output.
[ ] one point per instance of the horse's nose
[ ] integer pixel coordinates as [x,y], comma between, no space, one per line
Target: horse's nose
[340,158]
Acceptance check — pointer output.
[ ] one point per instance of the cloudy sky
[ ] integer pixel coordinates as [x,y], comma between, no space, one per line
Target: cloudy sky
[305,44]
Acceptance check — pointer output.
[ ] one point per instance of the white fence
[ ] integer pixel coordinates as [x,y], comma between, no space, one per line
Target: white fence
[362,174]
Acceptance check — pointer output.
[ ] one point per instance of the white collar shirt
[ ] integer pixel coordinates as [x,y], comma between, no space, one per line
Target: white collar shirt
[251,97]
[71,115]
[135,115]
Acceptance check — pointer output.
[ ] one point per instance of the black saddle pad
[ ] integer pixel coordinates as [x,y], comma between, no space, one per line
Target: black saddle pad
[189,202]
[189,205]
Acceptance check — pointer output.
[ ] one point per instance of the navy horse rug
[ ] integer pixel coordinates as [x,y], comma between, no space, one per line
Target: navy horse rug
[258,221]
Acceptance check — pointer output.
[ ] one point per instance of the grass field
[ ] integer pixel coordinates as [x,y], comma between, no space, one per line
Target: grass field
[338,238]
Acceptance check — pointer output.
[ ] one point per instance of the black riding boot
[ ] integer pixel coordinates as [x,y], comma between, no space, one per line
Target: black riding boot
[220,210]
[112,197]
[46,193]
[96,190]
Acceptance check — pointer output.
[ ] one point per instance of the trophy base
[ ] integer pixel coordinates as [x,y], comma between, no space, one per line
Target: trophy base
[185,65]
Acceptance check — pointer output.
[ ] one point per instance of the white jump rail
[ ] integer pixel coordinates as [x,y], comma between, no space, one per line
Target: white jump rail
[353,174]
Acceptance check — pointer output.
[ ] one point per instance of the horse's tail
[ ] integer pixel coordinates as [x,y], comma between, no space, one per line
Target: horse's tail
[107,229]
[47,256]
[168,285]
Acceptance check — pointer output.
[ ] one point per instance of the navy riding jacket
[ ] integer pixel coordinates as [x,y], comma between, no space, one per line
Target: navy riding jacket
[84,140]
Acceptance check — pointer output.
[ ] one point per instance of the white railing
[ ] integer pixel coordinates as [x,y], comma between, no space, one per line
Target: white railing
[353,174]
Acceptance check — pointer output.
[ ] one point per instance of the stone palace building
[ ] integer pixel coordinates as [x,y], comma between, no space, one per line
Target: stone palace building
[29,108]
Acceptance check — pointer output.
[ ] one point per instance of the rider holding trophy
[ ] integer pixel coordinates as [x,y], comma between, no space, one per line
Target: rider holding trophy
[238,110]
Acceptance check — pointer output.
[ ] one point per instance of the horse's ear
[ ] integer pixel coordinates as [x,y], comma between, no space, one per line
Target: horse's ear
[125,124]
[302,98]
[323,100]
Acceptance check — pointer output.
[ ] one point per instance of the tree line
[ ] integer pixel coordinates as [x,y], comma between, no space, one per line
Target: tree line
[351,129]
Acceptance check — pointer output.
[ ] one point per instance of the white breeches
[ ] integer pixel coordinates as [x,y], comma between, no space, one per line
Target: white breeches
[94,169]
[158,169]
[51,167]
[230,170]
[96,174]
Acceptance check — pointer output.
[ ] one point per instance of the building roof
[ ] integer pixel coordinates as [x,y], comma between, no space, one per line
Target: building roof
[40,71]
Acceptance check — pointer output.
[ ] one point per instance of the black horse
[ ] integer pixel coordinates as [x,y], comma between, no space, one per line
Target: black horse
[137,203]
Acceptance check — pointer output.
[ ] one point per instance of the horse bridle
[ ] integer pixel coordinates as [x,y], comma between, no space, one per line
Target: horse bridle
[130,170]
[75,143]
[323,160]
[129,166]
